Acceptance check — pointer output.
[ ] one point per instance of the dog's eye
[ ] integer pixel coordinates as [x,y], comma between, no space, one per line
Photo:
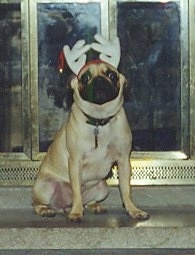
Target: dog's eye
[85,78]
[112,76]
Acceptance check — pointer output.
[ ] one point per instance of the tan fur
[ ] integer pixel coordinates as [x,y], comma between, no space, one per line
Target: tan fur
[73,172]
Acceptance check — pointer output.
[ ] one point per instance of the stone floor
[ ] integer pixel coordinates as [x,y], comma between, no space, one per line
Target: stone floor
[114,218]
[171,225]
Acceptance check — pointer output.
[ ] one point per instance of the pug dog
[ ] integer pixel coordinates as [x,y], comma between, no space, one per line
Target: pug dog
[95,136]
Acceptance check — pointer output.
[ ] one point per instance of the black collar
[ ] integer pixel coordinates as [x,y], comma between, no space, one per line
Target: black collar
[97,122]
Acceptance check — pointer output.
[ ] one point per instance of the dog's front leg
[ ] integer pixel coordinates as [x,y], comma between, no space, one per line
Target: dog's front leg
[76,212]
[124,169]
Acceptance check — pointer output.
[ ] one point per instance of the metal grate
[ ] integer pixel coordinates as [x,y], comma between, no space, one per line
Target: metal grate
[165,172]
[144,172]
[18,173]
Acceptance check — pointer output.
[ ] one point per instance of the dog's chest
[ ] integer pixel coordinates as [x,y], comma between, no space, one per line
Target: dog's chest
[97,161]
[104,152]
[104,144]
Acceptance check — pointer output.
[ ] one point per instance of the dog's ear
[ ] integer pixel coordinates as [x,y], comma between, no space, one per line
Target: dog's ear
[70,91]
[74,82]
[122,80]
[126,91]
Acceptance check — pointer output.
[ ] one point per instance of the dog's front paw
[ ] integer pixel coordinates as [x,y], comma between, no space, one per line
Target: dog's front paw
[75,217]
[139,215]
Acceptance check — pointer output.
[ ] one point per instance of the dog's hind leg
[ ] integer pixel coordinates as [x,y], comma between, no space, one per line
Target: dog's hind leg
[42,193]
[93,196]
[44,210]
[96,208]
[51,196]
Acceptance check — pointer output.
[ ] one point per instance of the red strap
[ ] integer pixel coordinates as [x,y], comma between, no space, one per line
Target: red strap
[61,62]
[95,61]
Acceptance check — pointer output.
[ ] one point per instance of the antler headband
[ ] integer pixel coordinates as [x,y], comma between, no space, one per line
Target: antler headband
[109,52]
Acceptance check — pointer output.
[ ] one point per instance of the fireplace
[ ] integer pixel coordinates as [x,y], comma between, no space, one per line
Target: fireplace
[157,58]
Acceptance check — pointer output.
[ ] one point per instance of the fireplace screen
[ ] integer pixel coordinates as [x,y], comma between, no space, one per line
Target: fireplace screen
[157,41]
[151,59]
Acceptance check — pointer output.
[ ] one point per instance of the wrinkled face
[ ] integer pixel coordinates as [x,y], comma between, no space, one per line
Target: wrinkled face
[98,83]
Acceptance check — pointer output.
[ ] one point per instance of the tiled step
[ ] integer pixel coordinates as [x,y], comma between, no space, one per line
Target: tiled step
[171,225]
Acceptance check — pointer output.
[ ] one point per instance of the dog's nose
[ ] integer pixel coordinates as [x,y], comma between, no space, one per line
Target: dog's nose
[103,90]
[99,81]
[101,84]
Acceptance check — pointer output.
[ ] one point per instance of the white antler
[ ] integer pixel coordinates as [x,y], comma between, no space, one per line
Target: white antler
[110,50]
[76,57]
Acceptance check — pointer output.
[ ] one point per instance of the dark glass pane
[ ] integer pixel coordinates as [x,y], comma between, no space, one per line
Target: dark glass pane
[10,79]
[150,40]
[59,24]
